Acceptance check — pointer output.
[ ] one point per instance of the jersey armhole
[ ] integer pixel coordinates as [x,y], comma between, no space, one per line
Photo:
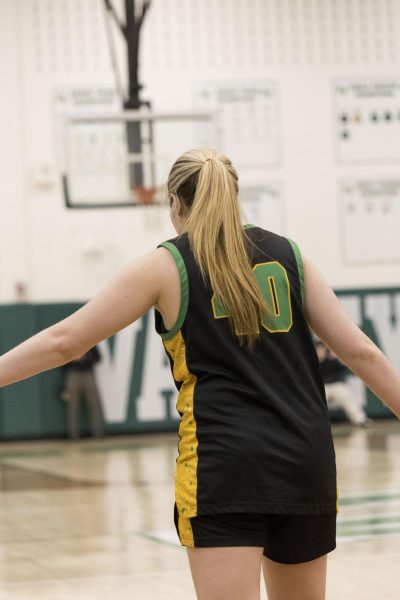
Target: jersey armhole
[180,264]
[300,268]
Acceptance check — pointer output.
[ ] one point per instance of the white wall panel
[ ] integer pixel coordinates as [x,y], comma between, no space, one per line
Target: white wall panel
[303,47]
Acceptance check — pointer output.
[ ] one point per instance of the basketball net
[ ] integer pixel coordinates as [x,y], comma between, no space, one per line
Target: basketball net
[154,211]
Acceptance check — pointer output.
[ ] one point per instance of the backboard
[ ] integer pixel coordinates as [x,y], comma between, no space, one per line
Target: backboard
[121,159]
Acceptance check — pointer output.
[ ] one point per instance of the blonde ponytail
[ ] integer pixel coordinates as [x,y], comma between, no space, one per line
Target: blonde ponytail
[207,185]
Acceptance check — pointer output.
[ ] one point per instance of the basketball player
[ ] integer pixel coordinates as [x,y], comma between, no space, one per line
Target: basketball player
[256,477]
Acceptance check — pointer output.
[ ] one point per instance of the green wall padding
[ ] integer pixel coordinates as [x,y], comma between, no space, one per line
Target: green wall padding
[34,409]
[21,404]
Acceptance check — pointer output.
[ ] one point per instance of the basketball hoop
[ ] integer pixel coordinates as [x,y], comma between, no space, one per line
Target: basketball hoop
[154,216]
[145,196]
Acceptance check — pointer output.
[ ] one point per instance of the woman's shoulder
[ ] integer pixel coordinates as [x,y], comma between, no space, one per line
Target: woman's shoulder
[271,239]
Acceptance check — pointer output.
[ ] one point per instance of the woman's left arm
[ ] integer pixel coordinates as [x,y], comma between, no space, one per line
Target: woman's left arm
[123,300]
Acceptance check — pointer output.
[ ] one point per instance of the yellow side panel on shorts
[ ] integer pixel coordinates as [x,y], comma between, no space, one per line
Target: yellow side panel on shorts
[186,464]
[185,531]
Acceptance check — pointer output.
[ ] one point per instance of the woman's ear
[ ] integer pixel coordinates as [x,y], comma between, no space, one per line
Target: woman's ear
[176,205]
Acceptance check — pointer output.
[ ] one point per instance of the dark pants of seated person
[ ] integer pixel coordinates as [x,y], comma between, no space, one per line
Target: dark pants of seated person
[82,385]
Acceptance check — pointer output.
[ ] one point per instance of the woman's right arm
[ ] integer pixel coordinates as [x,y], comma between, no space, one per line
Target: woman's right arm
[332,325]
[129,295]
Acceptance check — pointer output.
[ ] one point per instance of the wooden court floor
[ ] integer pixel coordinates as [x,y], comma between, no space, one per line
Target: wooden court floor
[93,519]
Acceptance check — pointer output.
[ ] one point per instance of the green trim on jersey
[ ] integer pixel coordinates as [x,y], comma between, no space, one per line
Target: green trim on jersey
[248,226]
[184,289]
[299,262]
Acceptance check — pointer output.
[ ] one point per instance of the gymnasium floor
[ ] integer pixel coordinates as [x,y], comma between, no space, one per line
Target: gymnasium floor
[93,519]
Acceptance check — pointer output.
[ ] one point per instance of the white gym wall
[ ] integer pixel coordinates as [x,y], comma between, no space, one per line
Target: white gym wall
[321,58]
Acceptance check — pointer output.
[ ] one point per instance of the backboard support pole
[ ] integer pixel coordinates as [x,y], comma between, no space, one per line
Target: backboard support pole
[134,22]
[135,13]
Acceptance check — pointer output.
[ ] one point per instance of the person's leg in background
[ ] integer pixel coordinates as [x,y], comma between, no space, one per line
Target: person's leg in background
[340,393]
[93,403]
[72,388]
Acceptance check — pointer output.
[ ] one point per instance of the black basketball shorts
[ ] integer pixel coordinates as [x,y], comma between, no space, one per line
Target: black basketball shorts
[288,539]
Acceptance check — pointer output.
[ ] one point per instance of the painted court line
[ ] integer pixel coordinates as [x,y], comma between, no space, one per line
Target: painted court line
[367,520]
[350,529]
[368,507]
[167,536]
[362,537]
[350,498]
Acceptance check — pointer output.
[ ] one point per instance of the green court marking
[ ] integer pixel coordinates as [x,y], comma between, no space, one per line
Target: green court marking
[367,533]
[156,537]
[368,521]
[128,447]
[352,530]
[116,447]
[30,454]
[350,535]
[364,499]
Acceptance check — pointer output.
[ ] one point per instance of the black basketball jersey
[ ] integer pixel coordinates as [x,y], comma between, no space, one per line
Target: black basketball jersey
[255,434]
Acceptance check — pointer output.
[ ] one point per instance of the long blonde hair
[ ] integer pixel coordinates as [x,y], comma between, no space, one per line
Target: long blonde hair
[207,186]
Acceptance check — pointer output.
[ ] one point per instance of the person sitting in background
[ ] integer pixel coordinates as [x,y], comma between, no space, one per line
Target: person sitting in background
[80,382]
[338,392]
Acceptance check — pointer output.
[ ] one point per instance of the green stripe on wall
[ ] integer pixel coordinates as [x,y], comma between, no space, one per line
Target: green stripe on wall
[33,409]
